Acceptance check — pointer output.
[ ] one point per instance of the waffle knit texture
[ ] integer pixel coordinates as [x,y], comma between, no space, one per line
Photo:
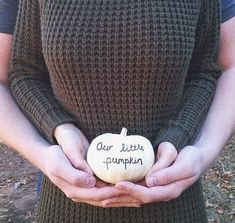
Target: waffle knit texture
[147,65]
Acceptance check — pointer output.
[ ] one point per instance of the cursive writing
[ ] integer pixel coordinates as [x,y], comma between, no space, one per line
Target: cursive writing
[125,162]
[101,146]
[131,147]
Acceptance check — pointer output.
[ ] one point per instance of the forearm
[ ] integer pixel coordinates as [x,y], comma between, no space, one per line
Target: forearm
[15,129]
[5,49]
[199,84]
[17,132]
[29,79]
[219,125]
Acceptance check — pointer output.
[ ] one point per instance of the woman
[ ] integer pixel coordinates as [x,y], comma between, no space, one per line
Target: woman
[147,65]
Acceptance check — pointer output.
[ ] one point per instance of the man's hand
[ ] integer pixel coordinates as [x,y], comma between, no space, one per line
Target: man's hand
[169,177]
[74,183]
[184,171]
[67,168]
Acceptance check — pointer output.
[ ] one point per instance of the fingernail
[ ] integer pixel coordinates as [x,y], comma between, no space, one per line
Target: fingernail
[150,182]
[90,181]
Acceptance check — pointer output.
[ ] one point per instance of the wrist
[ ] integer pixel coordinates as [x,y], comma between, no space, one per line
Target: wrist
[62,129]
[208,156]
[174,134]
[36,154]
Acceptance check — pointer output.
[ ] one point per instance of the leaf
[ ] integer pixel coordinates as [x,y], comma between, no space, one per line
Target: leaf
[210,205]
[17,185]
[231,196]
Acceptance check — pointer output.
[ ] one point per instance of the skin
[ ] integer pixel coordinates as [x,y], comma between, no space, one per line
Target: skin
[169,177]
[65,163]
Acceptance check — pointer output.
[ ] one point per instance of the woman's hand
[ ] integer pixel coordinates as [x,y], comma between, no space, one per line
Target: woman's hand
[169,177]
[67,168]
[75,146]
[74,183]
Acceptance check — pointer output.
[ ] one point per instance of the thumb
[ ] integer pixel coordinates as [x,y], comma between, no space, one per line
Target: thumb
[58,165]
[178,171]
[166,155]
[74,150]
[80,163]
[83,165]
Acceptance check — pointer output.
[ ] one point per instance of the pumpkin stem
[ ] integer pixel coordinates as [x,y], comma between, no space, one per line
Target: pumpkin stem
[124,131]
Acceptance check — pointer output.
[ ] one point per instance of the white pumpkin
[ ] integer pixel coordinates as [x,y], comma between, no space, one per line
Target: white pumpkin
[117,157]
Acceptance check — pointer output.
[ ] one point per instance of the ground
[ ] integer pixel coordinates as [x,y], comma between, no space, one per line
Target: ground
[18,190]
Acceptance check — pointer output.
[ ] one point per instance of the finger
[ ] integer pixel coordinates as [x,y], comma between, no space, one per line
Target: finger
[62,168]
[94,194]
[101,204]
[76,177]
[116,205]
[76,157]
[139,192]
[123,199]
[75,145]
[166,155]
[81,164]
[99,194]
[171,191]
[155,194]
[85,142]
[178,171]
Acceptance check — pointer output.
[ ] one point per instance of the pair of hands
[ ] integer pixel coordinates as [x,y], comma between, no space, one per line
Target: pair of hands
[66,167]
[172,174]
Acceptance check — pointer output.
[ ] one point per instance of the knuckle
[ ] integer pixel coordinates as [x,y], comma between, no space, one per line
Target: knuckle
[167,178]
[163,178]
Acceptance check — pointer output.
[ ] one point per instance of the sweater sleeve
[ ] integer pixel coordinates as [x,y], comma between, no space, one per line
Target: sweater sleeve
[200,82]
[29,77]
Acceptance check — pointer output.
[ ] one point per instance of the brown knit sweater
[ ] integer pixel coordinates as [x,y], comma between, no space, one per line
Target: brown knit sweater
[103,64]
